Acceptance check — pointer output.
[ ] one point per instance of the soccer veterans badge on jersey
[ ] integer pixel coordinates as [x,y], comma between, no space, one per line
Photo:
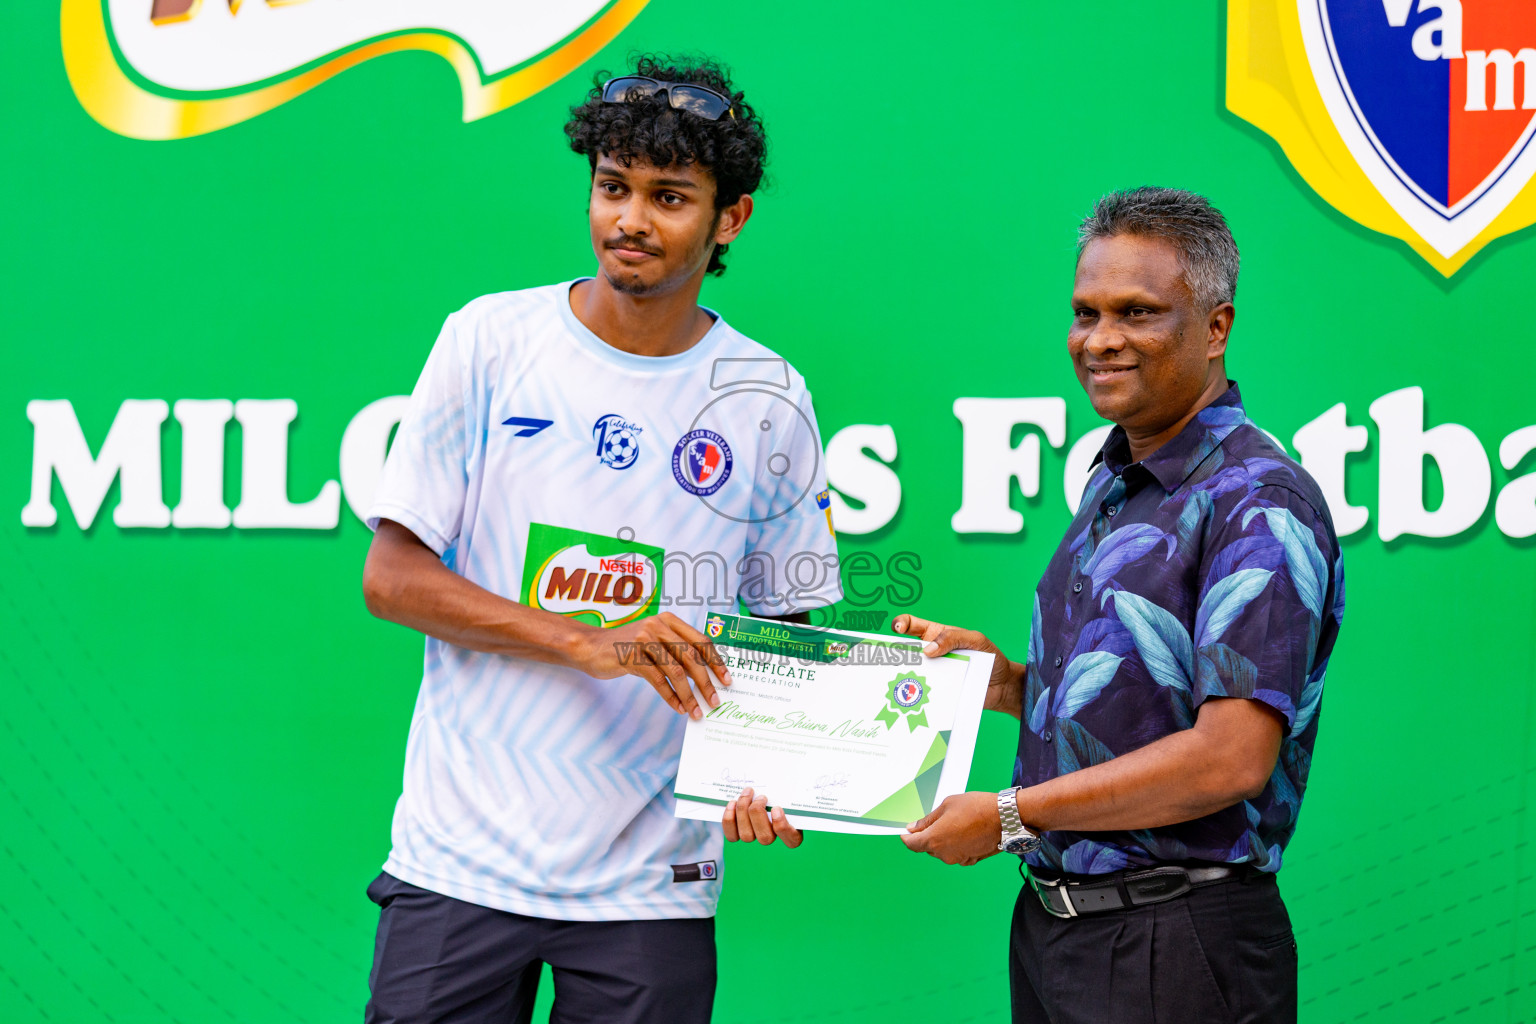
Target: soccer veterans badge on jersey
[600,580]
[701,462]
[1412,117]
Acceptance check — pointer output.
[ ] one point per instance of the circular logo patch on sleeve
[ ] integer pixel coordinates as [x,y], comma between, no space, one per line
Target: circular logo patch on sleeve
[701,462]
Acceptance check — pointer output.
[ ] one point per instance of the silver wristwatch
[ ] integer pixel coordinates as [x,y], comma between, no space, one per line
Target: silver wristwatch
[1017,837]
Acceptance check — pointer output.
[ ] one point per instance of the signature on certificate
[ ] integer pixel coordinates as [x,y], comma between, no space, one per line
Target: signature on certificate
[824,783]
[730,778]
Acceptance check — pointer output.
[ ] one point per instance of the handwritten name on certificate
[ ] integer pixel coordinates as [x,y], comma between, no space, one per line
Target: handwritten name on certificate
[848,732]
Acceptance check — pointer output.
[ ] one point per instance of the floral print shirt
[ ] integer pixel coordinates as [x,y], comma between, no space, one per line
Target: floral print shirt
[1208,569]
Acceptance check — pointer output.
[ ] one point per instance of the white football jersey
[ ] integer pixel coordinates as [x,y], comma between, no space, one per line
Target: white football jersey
[553,469]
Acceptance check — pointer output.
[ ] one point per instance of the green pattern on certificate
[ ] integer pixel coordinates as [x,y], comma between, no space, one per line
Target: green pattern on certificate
[848,732]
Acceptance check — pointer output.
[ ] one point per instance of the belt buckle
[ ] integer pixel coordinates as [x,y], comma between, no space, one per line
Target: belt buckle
[1061,889]
[1173,873]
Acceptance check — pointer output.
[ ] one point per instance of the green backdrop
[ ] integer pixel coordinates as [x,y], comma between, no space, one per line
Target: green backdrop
[202,730]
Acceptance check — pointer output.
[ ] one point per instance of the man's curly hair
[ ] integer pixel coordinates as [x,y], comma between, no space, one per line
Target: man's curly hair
[732,149]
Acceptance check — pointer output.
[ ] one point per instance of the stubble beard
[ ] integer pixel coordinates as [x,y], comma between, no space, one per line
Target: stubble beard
[630,284]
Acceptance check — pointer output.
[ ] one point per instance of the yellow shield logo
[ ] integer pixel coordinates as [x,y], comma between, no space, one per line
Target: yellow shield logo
[1404,115]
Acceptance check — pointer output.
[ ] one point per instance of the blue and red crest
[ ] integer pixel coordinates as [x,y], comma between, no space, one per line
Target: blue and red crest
[1413,117]
[701,462]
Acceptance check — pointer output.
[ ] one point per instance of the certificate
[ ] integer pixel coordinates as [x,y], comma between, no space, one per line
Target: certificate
[847,732]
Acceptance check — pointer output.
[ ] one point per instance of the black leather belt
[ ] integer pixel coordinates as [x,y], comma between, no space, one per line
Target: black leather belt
[1063,898]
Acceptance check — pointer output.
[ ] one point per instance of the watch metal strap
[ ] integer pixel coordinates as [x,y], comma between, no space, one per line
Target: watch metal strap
[1008,814]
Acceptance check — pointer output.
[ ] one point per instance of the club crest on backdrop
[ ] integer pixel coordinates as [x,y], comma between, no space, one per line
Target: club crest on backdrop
[1412,117]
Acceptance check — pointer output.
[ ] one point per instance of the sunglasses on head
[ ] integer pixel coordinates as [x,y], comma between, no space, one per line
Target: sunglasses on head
[695,99]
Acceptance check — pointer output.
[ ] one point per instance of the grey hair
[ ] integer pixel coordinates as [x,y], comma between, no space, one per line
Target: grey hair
[1185,220]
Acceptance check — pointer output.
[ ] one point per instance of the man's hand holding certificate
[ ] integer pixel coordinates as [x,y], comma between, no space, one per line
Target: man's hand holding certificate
[846,732]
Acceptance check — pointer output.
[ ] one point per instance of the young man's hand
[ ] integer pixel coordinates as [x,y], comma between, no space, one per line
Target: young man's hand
[747,819]
[405,581]
[666,652]
[964,829]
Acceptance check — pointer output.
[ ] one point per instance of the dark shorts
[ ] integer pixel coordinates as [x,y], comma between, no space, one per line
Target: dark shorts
[441,960]
[1222,953]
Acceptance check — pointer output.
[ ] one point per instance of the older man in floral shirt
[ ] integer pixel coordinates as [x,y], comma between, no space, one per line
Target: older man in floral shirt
[1180,635]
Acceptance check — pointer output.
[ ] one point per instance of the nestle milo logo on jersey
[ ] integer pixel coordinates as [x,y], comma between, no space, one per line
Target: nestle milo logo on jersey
[601,580]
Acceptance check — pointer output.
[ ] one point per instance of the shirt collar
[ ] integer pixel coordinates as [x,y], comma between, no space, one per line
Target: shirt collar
[1173,463]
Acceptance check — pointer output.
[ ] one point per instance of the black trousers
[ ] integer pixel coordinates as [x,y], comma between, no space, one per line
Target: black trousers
[438,960]
[1222,953]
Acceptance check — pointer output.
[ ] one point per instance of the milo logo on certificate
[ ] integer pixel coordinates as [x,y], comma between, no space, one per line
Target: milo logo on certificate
[600,580]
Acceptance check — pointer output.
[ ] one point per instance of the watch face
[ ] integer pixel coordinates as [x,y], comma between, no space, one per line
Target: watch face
[1023,845]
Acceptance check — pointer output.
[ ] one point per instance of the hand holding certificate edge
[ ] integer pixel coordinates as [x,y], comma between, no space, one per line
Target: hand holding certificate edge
[964,829]
[668,653]
[749,819]
[1005,689]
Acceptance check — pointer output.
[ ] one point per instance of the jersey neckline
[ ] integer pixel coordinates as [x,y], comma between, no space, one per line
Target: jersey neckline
[688,358]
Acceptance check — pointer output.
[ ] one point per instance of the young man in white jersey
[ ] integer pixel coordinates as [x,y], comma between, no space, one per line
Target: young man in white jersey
[586,471]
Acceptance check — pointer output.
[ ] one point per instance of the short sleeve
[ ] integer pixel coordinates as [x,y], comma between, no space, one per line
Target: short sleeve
[425,478]
[1266,600]
[790,535]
